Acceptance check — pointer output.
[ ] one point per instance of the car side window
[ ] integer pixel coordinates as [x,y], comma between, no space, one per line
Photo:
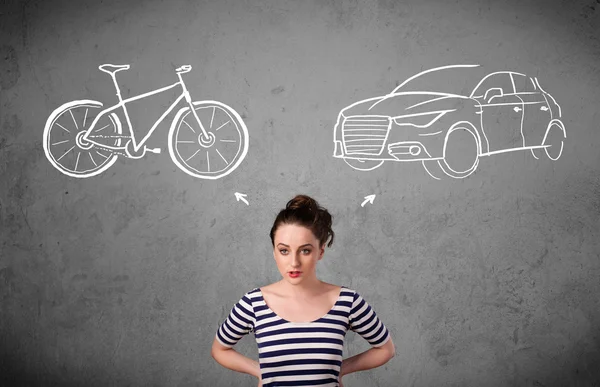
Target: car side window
[523,84]
[495,81]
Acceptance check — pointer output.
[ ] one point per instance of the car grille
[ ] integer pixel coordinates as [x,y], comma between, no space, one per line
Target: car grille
[365,135]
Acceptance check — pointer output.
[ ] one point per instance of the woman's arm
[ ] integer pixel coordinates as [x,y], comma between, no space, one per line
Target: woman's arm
[230,358]
[371,358]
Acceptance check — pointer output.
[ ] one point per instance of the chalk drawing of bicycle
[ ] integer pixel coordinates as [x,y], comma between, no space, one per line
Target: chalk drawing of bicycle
[207,139]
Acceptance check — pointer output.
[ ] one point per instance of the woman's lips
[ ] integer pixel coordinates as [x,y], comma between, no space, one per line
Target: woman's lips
[294,274]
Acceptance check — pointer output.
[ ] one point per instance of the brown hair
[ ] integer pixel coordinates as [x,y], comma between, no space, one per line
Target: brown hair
[305,211]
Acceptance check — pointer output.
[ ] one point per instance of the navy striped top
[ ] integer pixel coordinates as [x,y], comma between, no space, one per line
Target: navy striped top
[301,354]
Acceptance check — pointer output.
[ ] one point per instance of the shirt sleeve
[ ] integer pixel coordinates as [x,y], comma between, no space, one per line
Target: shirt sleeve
[239,323]
[365,322]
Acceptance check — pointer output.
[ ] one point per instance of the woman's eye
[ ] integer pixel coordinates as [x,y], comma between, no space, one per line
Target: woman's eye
[283,251]
[306,251]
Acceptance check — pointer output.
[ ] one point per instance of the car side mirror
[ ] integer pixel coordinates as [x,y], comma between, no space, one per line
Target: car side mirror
[491,93]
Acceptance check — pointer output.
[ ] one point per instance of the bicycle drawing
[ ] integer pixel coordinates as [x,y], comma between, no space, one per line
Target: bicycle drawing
[207,139]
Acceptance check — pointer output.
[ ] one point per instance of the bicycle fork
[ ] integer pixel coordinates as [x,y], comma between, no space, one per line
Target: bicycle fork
[206,138]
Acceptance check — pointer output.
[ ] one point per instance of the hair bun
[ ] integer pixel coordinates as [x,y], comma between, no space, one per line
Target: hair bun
[302,202]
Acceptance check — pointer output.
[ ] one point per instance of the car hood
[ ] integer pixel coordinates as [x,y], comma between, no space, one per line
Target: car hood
[405,103]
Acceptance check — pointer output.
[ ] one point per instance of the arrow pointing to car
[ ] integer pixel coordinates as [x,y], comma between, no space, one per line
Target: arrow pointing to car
[242,197]
[368,199]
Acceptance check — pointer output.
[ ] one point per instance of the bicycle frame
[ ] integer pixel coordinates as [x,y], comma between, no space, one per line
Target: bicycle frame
[122,102]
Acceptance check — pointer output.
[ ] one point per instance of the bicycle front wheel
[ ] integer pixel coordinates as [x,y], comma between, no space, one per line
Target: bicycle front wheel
[216,156]
[63,141]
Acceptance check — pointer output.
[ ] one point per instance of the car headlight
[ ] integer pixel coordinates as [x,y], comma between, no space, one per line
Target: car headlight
[420,120]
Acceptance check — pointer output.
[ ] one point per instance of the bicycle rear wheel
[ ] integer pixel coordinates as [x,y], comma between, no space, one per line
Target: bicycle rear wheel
[221,153]
[63,139]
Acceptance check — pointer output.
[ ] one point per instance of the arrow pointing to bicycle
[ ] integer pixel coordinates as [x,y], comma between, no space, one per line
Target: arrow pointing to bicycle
[368,199]
[242,197]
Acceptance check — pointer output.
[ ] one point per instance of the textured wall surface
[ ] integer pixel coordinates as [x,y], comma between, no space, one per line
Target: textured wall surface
[122,279]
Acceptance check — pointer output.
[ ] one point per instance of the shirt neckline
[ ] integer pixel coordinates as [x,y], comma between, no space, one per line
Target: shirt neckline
[342,287]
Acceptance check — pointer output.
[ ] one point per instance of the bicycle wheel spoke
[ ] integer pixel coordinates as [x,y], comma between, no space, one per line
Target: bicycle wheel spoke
[73,117]
[102,155]
[207,162]
[222,125]
[93,161]
[68,131]
[60,142]
[221,156]
[213,116]
[227,140]
[102,128]
[185,142]
[188,125]
[64,154]
[77,162]
[195,153]
[84,118]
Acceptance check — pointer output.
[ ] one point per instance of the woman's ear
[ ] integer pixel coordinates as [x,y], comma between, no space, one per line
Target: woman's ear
[322,251]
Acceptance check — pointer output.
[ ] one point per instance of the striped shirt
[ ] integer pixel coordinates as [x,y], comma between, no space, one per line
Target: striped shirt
[301,354]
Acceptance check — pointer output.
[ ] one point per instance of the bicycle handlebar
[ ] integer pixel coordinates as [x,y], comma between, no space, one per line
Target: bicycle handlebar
[184,69]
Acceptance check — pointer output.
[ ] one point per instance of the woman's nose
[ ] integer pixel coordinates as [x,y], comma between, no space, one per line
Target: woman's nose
[295,261]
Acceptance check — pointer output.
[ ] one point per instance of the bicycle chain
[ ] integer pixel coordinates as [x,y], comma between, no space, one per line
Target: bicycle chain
[102,136]
[111,151]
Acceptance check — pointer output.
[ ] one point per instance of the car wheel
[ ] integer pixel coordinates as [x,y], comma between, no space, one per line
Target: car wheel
[461,151]
[552,142]
[363,164]
[555,139]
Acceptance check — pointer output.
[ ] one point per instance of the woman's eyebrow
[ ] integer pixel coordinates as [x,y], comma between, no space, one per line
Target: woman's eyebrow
[304,245]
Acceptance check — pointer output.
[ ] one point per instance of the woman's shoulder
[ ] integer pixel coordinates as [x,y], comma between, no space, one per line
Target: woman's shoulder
[250,295]
[347,291]
[265,289]
[340,289]
[253,292]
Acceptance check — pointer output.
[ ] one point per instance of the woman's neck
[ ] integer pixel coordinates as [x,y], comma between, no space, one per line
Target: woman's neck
[304,289]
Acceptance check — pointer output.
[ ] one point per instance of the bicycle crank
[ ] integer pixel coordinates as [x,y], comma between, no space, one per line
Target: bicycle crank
[132,153]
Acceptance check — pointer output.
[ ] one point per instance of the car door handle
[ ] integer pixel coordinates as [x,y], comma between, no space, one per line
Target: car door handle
[517,109]
[544,108]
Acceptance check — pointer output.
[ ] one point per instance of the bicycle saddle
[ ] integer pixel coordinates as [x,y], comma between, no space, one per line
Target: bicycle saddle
[111,69]
[184,69]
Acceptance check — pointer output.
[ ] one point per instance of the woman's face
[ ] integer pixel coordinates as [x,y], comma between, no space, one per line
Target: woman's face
[296,252]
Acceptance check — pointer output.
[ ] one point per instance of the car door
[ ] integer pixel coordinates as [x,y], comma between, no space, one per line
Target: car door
[536,111]
[501,113]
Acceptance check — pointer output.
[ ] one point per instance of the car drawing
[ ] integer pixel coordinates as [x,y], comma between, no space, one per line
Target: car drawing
[448,122]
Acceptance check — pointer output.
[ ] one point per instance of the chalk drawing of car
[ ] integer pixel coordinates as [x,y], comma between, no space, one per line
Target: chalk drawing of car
[449,131]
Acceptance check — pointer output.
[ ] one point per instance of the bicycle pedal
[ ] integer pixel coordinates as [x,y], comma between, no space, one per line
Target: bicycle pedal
[153,150]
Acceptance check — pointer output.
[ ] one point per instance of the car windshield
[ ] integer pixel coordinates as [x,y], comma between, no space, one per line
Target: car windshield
[458,80]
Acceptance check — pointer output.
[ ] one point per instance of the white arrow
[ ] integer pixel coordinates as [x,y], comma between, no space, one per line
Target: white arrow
[368,199]
[242,197]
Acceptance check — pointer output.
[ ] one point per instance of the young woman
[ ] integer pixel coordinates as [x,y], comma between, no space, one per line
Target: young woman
[300,322]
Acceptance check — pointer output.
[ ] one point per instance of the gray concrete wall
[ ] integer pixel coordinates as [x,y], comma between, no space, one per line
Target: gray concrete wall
[122,279]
